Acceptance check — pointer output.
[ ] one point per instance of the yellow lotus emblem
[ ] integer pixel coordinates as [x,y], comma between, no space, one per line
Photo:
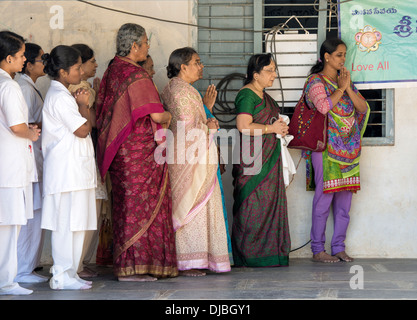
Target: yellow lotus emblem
[368,39]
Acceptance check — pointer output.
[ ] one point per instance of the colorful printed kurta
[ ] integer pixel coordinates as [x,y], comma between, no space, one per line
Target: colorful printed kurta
[346,127]
[260,235]
[143,236]
[201,235]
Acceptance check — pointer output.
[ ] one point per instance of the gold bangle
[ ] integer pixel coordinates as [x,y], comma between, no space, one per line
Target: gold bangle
[266,128]
[338,89]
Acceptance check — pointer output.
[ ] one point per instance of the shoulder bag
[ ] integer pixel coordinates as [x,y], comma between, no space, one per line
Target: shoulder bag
[308,126]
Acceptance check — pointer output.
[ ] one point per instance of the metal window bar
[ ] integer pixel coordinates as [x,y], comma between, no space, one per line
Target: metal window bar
[225,53]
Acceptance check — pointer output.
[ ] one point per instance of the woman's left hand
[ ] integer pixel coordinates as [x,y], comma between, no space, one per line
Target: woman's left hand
[280,127]
[212,123]
[96,84]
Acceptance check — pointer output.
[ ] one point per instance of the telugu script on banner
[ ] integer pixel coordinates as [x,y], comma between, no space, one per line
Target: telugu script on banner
[381,37]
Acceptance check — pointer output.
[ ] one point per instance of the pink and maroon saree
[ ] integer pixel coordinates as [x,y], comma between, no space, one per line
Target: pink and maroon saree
[143,234]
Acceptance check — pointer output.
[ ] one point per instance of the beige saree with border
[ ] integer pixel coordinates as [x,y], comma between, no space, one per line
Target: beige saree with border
[200,232]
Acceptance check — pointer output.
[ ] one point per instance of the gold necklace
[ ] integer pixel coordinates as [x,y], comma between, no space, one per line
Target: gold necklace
[331,78]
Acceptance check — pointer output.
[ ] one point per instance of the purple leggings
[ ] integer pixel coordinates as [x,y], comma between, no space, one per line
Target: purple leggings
[321,208]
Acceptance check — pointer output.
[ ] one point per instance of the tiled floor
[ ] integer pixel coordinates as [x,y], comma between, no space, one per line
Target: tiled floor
[303,279]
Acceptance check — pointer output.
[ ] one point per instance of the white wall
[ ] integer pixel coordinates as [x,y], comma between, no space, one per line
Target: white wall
[37,21]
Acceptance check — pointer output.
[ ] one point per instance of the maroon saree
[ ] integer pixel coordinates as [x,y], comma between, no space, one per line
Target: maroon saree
[143,236]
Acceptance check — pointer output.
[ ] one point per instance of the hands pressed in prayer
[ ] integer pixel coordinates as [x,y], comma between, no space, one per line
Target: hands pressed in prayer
[210,97]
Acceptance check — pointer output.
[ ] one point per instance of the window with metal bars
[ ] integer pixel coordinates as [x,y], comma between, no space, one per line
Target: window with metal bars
[240,29]
[225,44]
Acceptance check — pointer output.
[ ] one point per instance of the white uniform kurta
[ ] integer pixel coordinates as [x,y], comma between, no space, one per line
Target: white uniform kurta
[30,243]
[92,237]
[17,173]
[69,182]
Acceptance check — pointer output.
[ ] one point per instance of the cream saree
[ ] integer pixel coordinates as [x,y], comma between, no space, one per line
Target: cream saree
[198,220]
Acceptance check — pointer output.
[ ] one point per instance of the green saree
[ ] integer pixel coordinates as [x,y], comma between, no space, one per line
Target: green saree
[260,235]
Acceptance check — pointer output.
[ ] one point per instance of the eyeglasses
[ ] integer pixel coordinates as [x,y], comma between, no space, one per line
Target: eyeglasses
[38,60]
[147,42]
[269,70]
[198,63]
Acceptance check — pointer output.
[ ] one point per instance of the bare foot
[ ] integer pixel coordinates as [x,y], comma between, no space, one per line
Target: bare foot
[87,273]
[343,256]
[192,273]
[138,278]
[325,258]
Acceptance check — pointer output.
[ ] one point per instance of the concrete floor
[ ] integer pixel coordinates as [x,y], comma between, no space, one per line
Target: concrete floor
[391,279]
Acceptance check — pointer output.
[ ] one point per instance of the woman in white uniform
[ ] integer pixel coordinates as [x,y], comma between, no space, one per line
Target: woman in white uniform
[89,67]
[17,164]
[30,242]
[69,172]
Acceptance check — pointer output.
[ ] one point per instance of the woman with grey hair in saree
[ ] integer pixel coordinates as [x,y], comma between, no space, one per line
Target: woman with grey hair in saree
[128,113]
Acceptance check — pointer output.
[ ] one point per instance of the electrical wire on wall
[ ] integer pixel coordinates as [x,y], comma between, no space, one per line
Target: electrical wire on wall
[271,38]
[164,20]
[222,104]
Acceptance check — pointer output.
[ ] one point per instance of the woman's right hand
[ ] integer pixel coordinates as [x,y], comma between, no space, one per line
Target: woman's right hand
[82,96]
[34,132]
[280,127]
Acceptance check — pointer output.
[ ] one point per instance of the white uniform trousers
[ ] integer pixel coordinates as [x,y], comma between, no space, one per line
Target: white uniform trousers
[8,256]
[30,242]
[91,238]
[29,246]
[67,248]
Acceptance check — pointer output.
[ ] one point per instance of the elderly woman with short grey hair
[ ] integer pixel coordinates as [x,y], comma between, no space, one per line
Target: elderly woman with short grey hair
[129,112]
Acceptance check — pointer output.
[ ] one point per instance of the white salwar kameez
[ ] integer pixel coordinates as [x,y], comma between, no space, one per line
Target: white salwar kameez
[31,236]
[17,173]
[69,182]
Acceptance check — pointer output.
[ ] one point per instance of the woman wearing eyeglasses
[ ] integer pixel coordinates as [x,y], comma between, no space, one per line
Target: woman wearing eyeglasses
[198,217]
[30,243]
[260,235]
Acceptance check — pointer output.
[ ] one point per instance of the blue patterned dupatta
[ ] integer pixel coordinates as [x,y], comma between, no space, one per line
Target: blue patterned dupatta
[219,178]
